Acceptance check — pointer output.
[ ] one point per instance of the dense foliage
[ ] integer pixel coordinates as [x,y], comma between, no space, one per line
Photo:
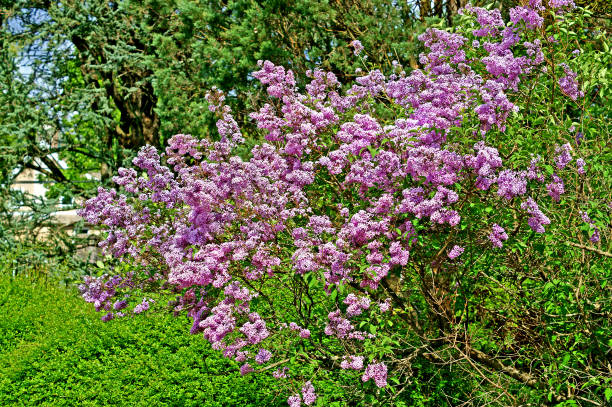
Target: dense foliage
[54,353]
[453,218]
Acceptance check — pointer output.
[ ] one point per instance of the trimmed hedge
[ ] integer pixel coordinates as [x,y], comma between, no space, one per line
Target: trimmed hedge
[55,351]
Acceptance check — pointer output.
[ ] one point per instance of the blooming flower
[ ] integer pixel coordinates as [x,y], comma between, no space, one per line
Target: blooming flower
[352,362]
[498,234]
[234,215]
[564,155]
[357,47]
[385,305]
[568,83]
[580,166]
[308,394]
[555,188]
[537,219]
[280,373]
[263,356]
[142,307]
[455,252]
[294,401]
[245,369]
[376,371]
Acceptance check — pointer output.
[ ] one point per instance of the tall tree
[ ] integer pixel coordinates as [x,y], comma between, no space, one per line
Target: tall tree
[88,82]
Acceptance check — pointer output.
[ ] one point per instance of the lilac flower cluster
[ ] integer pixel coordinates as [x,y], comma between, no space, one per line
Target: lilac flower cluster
[308,396]
[356,305]
[102,292]
[263,356]
[595,237]
[376,371]
[498,235]
[568,83]
[556,188]
[561,6]
[337,325]
[580,163]
[352,362]
[303,332]
[455,252]
[537,219]
[564,156]
[357,47]
[143,306]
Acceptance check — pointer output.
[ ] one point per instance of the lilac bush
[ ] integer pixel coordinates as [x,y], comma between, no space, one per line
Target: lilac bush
[356,235]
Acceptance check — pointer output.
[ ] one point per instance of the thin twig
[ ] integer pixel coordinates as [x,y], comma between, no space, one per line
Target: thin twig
[592,249]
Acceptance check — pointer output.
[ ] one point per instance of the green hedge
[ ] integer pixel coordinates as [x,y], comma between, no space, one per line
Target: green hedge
[55,351]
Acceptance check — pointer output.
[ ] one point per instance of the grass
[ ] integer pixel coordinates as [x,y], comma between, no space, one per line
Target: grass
[55,351]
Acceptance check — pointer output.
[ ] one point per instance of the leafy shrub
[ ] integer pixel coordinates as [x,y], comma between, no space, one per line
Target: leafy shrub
[52,352]
[435,237]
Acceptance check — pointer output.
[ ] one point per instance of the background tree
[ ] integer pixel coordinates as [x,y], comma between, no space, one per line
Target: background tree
[90,80]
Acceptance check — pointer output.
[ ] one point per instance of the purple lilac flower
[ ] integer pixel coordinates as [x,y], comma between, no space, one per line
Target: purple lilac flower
[356,305]
[529,16]
[399,255]
[108,317]
[280,373]
[241,356]
[255,330]
[562,6]
[533,172]
[376,371]
[498,235]
[490,21]
[555,188]
[564,155]
[568,84]
[537,219]
[245,369]
[215,99]
[357,47]
[352,362]
[511,183]
[337,325]
[263,356]
[385,305]
[580,166]
[595,236]
[142,307]
[280,82]
[294,401]
[308,393]
[219,323]
[455,252]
